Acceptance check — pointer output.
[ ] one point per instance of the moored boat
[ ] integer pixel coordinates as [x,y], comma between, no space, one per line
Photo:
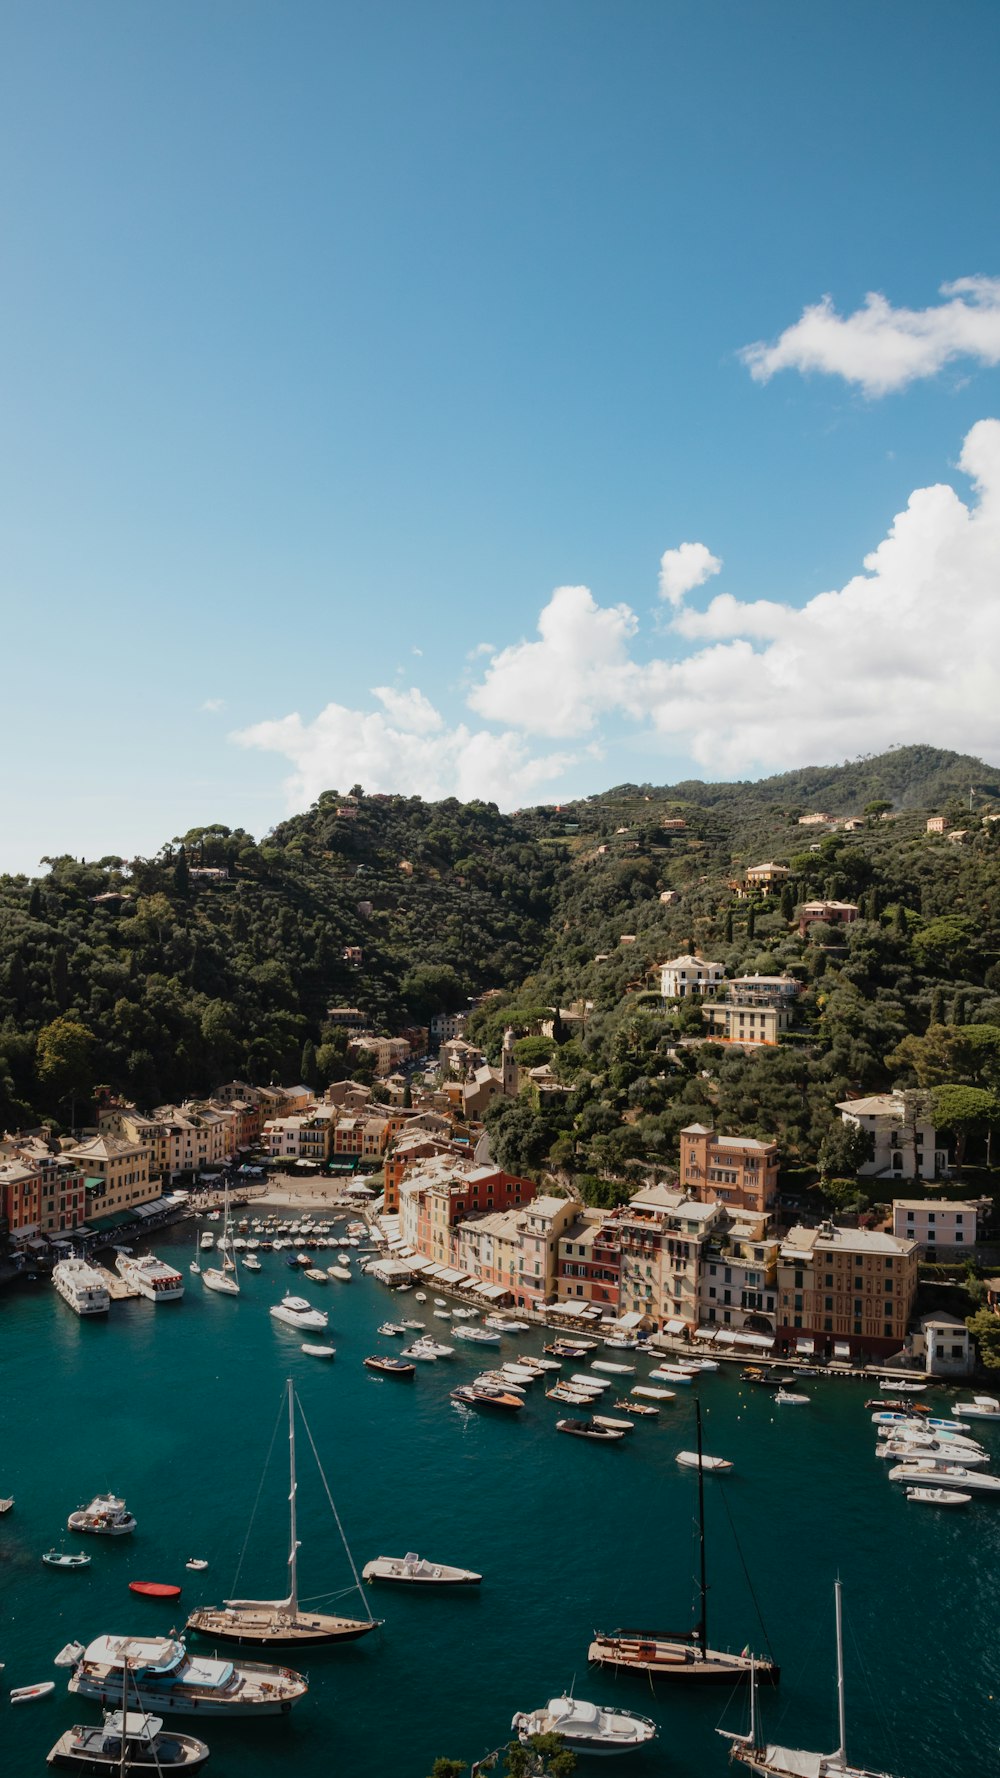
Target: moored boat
[128,1741]
[414,1570]
[164,1678]
[106,1516]
[981,1407]
[696,1460]
[81,1286]
[585,1728]
[590,1428]
[65,1559]
[474,1395]
[939,1496]
[389,1367]
[934,1474]
[151,1277]
[154,1589]
[29,1694]
[295,1311]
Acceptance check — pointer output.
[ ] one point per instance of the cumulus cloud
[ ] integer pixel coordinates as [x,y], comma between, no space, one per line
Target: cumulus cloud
[684,568]
[562,683]
[400,748]
[881,348]
[907,650]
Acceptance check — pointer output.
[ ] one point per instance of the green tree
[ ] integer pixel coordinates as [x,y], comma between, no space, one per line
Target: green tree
[307,1066]
[964,1110]
[448,1768]
[65,1060]
[984,1327]
[844,1150]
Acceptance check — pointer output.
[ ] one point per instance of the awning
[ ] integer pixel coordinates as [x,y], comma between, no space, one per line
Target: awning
[632,1319]
[841,1349]
[675,1327]
[433,1268]
[707,1333]
[305,1163]
[764,1341]
[805,1347]
[493,1292]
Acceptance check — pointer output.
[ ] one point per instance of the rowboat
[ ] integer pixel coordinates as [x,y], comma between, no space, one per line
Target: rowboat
[66,1559]
[691,1460]
[154,1589]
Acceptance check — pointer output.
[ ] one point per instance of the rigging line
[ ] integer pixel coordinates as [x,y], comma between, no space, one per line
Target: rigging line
[260,1486]
[746,1573]
[333,1509]
[888,1738]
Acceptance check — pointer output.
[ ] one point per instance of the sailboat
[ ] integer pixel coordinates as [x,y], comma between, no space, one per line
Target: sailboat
[195,1266]
[792,1762]
[224,1278]
[682,1655]
[276,1623]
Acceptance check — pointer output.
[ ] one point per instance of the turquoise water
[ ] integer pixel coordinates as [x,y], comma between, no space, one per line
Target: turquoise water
[174,1406]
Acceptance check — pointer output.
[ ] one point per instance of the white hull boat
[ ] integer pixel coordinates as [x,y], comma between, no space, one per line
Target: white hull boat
[711,1465]
[151,1277]
[294,1311]
[416,1571]
[106,1516]
[933,1475]
[938,1496]
[981,1407]
[585,1728]
[81,1286]
[167,1680]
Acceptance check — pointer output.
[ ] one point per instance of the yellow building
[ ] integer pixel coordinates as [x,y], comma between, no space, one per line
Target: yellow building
[117,1174]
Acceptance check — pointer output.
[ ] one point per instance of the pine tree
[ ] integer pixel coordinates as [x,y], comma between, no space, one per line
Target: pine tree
[751,921]
[308,1069]
[181,876]
[729,927]
[34,902]
[788,903]
[937,1007]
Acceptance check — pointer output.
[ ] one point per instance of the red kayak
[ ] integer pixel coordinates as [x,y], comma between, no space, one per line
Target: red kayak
[154,1589]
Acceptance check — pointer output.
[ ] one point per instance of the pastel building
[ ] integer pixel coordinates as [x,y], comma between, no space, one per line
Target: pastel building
[845,1293]
[933,1222]
[662,1235]
[738,1171]
[589,1263]
[687,977]
[546,1221]
[116,1172]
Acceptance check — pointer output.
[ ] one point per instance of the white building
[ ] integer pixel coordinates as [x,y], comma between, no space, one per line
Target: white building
[945,1345]
[906,1144]
[685,977]
[936,1223]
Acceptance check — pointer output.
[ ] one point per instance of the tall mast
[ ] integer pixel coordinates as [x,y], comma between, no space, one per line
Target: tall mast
[703,1617]
[293,1542]
[841,1753]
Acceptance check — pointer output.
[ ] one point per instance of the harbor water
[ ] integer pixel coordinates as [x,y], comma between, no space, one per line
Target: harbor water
[175,1406]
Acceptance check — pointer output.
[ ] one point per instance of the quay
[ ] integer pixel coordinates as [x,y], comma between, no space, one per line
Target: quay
[115,1284]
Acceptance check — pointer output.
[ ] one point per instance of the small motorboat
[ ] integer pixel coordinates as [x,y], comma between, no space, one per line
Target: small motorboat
[671,1373]
[66,1559]
[981,1407]
[392,1328]
[640,1409]
[584,1380]
[786,1398]
[433,1347]
[389,1367]
[252,1264]
[939,1496]
[318,1351]
[414,1570]
[907,1407]
[27,1694]
[197,1565]
[416,1326]
[295,1311]
[445,1315]
[715,1465]
[477,1336]
[614,1370]
[645,1393]
[497,1380]
[420,1297]
[590,1429]
[421,1354]
[616,1425]
[69,1654]
[343,1274]
[890,1384]
[6,1503]
[585,1728]
[154,1589]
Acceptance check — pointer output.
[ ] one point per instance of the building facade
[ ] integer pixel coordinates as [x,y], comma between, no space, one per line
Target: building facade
[845,1292]
[687,977]
[906,1142]
[738,1171]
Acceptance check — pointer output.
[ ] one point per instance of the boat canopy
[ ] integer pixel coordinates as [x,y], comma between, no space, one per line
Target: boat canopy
[797,1763]
[137,1724]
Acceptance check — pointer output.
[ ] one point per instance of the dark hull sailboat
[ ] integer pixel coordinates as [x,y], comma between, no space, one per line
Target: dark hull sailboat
[280,1623]
[683,1655]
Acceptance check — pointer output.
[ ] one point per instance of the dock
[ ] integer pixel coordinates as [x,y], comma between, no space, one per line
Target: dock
[115,1284]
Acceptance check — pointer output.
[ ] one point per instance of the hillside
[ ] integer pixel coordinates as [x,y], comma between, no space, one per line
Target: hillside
[157,981]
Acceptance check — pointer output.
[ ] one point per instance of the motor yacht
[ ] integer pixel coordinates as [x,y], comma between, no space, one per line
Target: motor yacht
[585,1728]
[414,1570]
[295,1311]
[165,1678]
[981,1407]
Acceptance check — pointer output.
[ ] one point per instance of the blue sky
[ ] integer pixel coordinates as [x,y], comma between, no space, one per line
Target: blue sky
[335,339]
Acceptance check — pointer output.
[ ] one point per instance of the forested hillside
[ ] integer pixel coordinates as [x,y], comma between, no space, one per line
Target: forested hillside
[158,982]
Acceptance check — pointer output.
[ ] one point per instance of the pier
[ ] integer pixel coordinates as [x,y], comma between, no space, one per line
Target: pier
[115,1284]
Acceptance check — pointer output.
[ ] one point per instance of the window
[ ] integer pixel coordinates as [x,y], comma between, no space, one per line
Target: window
[828,1302]
[797,1322]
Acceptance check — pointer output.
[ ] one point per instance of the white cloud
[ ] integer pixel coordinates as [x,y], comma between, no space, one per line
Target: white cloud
[214,705]
[909,649]
[881,348]
[560,685]
[684,568]
[401,750]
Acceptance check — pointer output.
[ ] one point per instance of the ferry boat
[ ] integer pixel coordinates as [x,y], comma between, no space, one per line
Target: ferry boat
[106,1516]
[165,1678]
[151,1277]
[81,1286]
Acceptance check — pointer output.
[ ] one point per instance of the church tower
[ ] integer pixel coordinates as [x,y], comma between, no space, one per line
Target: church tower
[510,1073]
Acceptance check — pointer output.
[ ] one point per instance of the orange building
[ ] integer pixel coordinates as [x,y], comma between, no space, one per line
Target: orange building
[735,1170]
